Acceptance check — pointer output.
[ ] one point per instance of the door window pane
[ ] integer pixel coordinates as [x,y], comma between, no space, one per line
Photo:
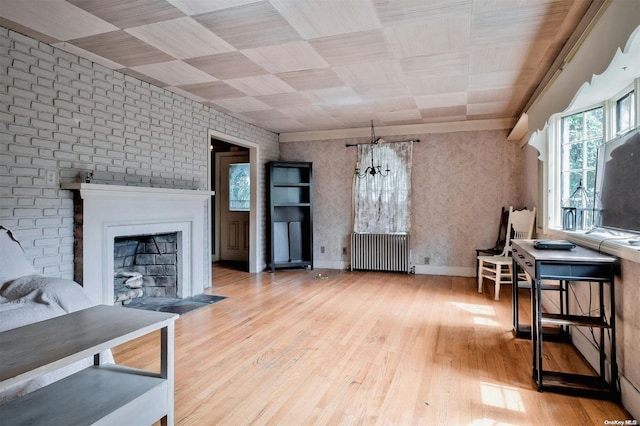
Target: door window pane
[239,187]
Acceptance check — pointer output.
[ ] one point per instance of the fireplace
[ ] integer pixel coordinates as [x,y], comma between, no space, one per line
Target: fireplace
[105,213]
[145,266]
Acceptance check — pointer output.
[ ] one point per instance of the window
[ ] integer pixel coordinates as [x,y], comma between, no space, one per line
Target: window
[581,137]
[239,187]
[574,140]
[625,112]
[382,204]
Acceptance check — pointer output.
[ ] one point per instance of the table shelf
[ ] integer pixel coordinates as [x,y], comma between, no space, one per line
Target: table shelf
[102,394]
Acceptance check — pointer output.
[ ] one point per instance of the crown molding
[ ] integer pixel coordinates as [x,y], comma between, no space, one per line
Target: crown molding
[410,129]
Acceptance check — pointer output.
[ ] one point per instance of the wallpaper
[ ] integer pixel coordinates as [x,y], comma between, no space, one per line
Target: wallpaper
[460,182]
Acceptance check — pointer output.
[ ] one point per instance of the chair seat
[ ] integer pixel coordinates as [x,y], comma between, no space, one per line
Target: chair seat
[501,260]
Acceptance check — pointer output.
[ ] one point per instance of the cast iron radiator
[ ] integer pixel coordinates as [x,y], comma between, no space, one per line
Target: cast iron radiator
[380,252]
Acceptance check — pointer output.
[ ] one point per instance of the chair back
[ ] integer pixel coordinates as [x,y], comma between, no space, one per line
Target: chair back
[520,226]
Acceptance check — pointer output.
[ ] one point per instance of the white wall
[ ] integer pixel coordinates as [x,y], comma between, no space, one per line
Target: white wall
[62,116]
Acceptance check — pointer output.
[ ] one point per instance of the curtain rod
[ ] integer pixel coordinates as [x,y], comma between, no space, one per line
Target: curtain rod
[369,143]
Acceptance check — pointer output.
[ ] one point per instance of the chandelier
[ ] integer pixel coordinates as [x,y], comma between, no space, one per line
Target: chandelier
[372,170]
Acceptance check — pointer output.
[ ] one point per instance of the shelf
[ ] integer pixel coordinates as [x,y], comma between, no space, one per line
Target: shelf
[102,394]
[290,215]
[96,394]
[577,320]
[577,384]
[550,334]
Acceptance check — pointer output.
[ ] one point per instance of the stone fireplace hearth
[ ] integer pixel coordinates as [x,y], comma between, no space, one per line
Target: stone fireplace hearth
[104,213]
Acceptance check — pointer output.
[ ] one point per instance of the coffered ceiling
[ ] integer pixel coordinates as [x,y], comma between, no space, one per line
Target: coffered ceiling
[308,65]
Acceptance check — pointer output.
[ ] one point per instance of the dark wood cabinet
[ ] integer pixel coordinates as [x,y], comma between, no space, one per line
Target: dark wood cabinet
[290,218]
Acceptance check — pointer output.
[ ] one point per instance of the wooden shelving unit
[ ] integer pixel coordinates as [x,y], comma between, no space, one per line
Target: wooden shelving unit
[290,219]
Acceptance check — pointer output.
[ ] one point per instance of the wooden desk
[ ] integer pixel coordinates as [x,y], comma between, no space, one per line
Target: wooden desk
[102,394]
[579,265]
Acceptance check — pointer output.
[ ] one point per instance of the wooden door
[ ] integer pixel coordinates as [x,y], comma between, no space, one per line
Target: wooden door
[234,224]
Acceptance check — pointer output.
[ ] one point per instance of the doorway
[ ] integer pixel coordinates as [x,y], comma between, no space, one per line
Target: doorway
[234,234]
[233,187]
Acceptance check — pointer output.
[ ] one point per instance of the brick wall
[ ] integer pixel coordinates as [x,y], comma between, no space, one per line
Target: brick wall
[62,116]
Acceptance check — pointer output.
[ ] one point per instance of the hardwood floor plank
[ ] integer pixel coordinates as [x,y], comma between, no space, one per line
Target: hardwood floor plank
[360,348]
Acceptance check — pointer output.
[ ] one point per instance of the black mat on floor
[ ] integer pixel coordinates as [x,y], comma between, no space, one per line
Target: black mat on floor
[176,306]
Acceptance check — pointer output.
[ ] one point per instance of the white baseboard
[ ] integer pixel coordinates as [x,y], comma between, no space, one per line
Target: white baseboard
[418,269]
[630,397]
[458,271]
[330,264]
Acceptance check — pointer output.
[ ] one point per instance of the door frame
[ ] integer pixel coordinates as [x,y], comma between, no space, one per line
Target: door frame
[254,213]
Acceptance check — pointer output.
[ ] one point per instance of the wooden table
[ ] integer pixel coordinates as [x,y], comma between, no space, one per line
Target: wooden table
[101,394]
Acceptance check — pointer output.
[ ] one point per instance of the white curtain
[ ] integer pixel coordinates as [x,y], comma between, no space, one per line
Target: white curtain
[382,204]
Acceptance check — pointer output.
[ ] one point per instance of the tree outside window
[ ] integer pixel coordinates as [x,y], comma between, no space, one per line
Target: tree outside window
[581,136]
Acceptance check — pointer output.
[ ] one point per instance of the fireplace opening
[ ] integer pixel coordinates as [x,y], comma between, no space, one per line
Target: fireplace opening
[145,266]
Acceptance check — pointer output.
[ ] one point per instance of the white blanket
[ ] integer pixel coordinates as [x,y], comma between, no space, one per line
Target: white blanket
[34,298]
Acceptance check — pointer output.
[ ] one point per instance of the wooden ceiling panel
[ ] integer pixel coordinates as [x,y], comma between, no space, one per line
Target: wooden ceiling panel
[439,64]
[444,35]
[383,91]
[439,101]
[196,7]
[312,79]
[129,13]
[370,73]
[438,85]
[368,46]
[174,73]
[394,117]
[285,100]
[44,17]
[295,56]
[227,65]
[249,26]
[181,38]
[322,18]
[260,85]
[401,12]
[243,104]
[395,104]
[213,91]
[122,48]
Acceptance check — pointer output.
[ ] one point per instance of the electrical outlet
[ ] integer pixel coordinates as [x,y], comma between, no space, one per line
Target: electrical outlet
[51,177]
[426,260]
[344,251]
[321,249]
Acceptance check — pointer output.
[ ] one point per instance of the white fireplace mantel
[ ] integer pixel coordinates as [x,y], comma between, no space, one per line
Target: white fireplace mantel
[110,211]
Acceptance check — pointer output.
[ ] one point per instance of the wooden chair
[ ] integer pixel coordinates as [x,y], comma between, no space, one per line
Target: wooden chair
[498,268]
[500,240]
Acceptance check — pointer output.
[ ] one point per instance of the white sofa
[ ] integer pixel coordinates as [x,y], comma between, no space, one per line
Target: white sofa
[27,297]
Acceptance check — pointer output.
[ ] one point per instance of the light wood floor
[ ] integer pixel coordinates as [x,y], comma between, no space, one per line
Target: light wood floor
[360,348]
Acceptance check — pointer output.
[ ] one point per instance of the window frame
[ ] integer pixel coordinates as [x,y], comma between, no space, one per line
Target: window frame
[554,135]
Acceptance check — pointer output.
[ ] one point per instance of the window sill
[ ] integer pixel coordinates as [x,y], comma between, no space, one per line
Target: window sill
[609,242]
